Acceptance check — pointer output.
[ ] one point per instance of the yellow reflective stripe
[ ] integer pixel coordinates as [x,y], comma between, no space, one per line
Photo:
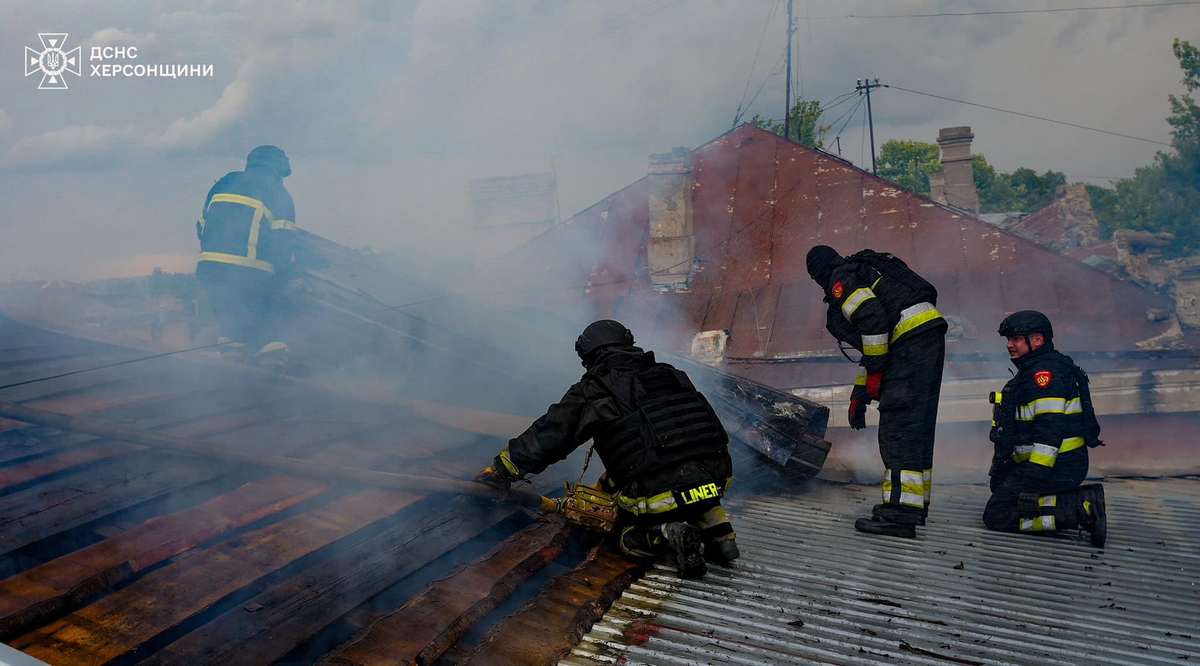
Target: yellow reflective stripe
[237,260]
[1031,410]
[659,503]
[227,197]
[1070,444]
[875,345]
[201,223]
[509,465]
[255,228]
[912,488]
[282,225]
[1043,454]
[912,317]
[887,486]
[1021,453]
[855,300]
[1038,524]
[1048,500]
[260,212]
[927,478]
[861,378]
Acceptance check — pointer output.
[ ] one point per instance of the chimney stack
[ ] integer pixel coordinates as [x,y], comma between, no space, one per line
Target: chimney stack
[670,250]
[957,177]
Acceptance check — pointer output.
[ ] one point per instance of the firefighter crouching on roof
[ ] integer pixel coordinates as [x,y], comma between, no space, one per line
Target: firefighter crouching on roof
[246,248]
[1043,424]
[664,450]
[881,307]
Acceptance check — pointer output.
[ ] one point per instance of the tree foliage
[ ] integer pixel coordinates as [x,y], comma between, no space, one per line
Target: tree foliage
[1164,195]
[805,126]
[908,163]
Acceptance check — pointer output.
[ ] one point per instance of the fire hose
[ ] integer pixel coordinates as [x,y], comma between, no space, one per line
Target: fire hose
[582,505]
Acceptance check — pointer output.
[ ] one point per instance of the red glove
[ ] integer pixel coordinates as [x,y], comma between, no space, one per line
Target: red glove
[874,384]
[857,415]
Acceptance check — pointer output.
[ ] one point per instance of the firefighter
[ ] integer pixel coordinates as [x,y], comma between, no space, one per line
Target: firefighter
[1043,424]
[664,450]
[881,307]
[246,249]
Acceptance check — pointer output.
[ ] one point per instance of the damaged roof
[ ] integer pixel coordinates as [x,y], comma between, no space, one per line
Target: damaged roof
[808,588]
[759,203]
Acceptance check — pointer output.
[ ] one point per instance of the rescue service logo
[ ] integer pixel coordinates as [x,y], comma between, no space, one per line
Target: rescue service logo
[53,61]
[838,289]
[1042,378]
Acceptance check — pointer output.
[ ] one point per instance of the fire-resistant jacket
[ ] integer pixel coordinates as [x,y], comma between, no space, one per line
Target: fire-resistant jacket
[246,221]
[872,312]
[1039,416]
[591,409]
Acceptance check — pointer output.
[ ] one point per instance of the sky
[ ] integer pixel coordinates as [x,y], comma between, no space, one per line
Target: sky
[389,109]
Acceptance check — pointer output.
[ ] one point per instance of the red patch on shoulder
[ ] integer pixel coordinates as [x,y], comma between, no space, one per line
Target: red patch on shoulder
[838,289]
[1042,378]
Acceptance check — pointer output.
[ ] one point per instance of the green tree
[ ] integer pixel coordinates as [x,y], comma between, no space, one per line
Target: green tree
[1164,195]
[806,127]
[908,163]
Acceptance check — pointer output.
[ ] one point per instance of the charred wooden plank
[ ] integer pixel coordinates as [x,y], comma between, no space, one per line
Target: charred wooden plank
[118,624]
[268,626]
[27,442]
[425,627]
[549,626]
[61,585]
[15,475]
[66,502]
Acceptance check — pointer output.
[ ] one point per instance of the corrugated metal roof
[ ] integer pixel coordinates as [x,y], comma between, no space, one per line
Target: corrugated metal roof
[810,589]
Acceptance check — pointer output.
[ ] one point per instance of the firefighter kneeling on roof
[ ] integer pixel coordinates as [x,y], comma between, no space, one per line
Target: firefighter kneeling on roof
[1042,426]
[664,450]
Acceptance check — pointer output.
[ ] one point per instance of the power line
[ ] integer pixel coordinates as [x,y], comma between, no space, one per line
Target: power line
[1004,12]
[112,365]
[1030,115]
[737,116]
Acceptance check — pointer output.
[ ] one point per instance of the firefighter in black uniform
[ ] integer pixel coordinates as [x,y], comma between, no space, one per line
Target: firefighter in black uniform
[664,450]
[881,307]
[1043,424]
[246,247]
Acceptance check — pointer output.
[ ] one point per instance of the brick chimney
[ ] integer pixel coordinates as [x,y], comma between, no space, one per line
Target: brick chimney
[957,174]
[671,248]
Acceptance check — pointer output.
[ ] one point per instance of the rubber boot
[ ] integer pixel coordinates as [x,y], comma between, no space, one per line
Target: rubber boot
[687,545]
[722,551]
[895,514]
[885,528]
[1092,514]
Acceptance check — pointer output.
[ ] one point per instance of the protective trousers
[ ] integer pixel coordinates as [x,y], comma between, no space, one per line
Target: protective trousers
[908,408]
[645,540]
[244,303]
[1031,498]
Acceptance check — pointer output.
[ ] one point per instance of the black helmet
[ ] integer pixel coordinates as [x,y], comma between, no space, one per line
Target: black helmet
[271,157]
[599,334]
[1026,322]
[821,261]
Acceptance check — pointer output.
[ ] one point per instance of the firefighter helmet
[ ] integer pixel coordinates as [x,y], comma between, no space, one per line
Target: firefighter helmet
[599,334]
[820,261]
[1025,323]
[271,157]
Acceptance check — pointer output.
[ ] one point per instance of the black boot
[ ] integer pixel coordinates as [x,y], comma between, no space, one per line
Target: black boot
[893,513]
[885,527]
[687,545]
[1092,515]
[723,551]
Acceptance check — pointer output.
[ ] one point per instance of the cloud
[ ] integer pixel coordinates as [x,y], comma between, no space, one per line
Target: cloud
[5,121]
[74,145]
[119,37]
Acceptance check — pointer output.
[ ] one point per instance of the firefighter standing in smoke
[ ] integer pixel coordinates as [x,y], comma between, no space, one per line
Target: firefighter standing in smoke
[245,245]
[1043,424]
[884,309]
[664,450]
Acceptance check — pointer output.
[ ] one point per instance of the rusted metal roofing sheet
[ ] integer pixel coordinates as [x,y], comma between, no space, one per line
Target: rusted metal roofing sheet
[810,589]
[759,204]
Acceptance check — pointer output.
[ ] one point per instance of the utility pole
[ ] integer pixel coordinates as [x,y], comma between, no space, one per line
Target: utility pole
[865,86]
[787,97]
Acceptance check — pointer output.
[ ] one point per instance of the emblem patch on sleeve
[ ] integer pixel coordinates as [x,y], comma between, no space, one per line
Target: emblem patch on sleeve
[1042,378]
[838,289]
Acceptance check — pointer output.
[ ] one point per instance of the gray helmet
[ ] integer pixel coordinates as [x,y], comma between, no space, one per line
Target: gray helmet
[600,334]
[1026,323]
[271,157]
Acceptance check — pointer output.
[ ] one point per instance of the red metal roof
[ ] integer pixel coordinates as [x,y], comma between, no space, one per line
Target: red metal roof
[760,202]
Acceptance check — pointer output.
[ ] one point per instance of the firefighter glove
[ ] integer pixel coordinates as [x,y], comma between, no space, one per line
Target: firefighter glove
[857,415]
[495,475]
[874,384]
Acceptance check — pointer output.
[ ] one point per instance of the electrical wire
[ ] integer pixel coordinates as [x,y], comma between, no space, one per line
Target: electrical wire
[112,365]
[1004,12]
[737,116]
[1029,115]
